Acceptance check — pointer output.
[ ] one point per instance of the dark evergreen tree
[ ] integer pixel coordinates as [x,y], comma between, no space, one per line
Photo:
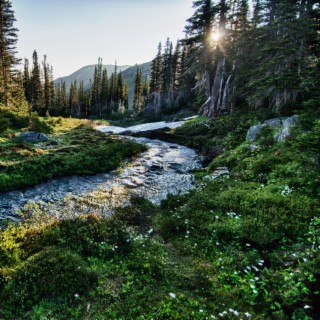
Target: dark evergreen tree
[73,100]
[120,95]
[105,92]
[138,100]
[36,87]
[199,30]
[176,70]
[47,86]
[96,89]
[126,94]
[9,82]
[27,80]
[64,100]
[166,92]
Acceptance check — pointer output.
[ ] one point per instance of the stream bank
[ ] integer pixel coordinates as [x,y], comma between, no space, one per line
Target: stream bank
[164,168]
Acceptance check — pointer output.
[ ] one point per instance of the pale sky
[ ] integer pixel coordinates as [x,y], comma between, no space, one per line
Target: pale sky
[74,33]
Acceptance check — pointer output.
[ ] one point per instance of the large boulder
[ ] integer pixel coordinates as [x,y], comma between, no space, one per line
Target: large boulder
[30,136]
[284,126]
[254,132]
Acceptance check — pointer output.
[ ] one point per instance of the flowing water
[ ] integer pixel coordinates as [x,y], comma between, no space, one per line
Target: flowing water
[164,168]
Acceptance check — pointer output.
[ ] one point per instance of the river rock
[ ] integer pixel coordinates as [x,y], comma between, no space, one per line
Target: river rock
[30,136]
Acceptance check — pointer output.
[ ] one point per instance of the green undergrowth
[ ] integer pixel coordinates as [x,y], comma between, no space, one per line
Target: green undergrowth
[81,150]
[243,247]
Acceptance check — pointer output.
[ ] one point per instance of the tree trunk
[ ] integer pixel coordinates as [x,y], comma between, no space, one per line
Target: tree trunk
[217,87]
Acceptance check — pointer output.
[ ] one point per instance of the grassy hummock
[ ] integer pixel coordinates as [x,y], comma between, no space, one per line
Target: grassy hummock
[79,150]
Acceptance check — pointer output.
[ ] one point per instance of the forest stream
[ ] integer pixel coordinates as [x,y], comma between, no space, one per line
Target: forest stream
[164,168]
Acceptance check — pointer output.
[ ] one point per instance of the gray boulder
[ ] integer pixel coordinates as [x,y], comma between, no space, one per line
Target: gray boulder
[273,123]
[29,136]
[253,132]
[284,126]
[221,171]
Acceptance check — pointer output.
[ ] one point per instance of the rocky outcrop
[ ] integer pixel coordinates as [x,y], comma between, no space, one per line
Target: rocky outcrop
[30,136]
[284,126]
[219,172]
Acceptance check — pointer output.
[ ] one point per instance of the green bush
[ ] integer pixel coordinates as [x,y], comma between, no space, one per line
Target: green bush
[53,273]
[38,125]
[4,124]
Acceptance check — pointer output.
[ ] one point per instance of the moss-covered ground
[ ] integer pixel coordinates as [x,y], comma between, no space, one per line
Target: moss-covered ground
[247,247]
[74,148]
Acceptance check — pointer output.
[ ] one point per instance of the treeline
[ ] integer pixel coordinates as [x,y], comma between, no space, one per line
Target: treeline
[33,89]
[170,83]
[232,57]
[106,95]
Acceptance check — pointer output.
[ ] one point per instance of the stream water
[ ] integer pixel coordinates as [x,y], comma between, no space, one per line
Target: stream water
[164,168]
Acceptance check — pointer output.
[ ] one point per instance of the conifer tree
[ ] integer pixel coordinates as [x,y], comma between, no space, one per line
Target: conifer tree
[64,101]
[27,80]
[105,91]
[73,100]
[199,30]
[157,71]
[138,101]
[36,87]
[176,69]
[126,94]
[145,90]
[167,74]
[47,86]
[56,109]
[8,39]
[81,100]
[120,97]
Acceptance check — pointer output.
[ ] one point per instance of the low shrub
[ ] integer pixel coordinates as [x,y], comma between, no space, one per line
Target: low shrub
[53,273]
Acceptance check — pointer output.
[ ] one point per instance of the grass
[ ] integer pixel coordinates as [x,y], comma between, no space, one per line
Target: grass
[74,148]
[240,248]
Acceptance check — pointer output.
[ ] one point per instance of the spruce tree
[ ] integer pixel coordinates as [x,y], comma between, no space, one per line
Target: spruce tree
[37,103]
[47,86]
[167,74]
[126,94]
[176,70]
[27,80]
[8,39]
[105,92]
[73,100]
[138,101]
[64,102]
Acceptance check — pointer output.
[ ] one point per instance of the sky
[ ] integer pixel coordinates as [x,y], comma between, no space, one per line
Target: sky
[74,33]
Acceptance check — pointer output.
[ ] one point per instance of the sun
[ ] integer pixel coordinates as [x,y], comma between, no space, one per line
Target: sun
[215,36]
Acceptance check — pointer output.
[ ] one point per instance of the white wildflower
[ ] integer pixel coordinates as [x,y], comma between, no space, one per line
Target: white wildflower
[172,295]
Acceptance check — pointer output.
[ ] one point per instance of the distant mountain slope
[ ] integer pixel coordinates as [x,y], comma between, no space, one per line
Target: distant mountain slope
[86,73]
[128,73]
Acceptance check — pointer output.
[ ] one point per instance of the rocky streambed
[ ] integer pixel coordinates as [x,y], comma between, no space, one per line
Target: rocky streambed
[164,168]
